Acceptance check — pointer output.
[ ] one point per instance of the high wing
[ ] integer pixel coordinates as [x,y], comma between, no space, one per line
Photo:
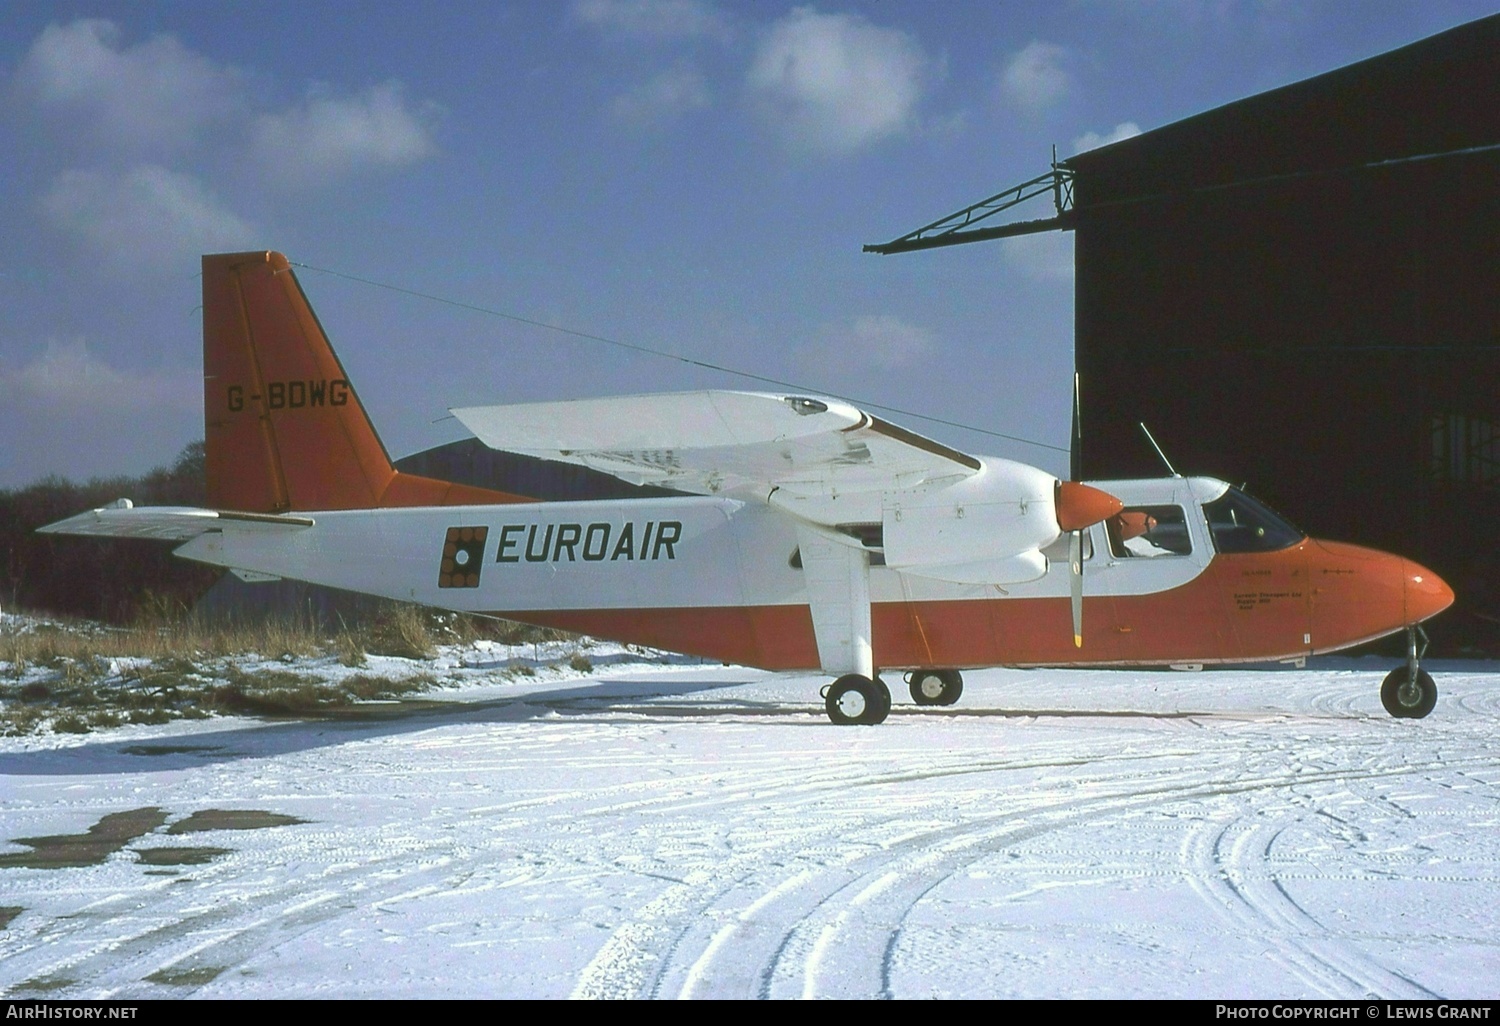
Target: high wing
[717,442]
[168,523]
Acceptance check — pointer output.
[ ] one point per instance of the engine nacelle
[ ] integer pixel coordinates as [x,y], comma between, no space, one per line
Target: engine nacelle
[986,528]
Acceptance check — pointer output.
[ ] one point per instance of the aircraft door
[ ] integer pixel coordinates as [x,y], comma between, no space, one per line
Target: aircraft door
[1155,553]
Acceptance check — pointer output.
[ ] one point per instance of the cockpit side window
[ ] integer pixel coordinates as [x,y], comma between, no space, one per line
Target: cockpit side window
[1148,531]
[1239,523]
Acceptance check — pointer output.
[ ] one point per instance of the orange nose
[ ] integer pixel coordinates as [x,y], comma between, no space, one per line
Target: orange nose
[1360,594]
[1423,592]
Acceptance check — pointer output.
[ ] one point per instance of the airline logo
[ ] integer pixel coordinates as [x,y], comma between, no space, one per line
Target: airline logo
[463,557]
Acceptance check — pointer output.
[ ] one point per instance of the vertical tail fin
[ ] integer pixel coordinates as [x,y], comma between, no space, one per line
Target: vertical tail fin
[283,428]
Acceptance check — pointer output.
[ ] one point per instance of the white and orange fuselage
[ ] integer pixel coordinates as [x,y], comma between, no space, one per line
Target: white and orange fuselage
[718,578]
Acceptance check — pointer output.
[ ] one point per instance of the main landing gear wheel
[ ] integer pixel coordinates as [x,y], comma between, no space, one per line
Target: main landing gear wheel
[1407,697]
[935,687]
[857,699]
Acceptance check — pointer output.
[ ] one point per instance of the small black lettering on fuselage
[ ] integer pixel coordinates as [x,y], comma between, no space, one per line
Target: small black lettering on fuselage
[293,395]
[588,543]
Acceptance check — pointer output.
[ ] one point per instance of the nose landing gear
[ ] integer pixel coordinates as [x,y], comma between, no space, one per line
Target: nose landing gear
[1408,692]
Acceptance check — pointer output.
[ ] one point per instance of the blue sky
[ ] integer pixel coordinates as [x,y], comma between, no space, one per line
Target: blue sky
[685,175]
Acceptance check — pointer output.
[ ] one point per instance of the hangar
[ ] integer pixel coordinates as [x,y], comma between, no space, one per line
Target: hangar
[1301,290]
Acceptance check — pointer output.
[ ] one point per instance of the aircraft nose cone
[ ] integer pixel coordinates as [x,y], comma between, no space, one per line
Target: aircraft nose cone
[1424,593]
[1360,594]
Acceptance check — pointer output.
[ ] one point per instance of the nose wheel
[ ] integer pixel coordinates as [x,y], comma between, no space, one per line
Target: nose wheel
[854,698]
[1408,692]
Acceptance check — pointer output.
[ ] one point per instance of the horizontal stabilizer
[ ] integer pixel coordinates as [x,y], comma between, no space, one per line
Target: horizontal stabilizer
[168,523]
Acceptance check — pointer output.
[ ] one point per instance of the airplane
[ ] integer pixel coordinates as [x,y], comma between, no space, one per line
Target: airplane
[807,535]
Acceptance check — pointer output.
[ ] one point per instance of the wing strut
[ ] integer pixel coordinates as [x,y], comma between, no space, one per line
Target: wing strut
[838,590]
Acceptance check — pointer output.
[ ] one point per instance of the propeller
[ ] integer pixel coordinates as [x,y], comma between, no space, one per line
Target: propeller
[1075,585]
[1080,506]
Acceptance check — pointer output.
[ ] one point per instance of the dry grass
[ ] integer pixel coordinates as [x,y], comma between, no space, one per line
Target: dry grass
[270,692]
[404,632]
[55,644]
[78,677]
[410,632]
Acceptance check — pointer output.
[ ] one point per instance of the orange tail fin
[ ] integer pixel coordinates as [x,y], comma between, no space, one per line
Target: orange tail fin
[283,428]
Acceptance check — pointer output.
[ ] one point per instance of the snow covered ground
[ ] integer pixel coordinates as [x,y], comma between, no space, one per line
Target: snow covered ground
[689,831]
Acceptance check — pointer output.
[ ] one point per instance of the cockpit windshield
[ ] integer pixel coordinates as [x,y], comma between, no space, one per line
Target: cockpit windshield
[1239,523]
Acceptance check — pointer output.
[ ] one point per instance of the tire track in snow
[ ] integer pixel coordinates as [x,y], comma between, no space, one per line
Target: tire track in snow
[640,958]
[111,948]
[1228,863]
[846,919]
[814,903]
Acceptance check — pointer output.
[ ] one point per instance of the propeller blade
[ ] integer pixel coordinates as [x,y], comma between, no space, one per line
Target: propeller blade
[1075,448]
[1080,505]
[1075,585]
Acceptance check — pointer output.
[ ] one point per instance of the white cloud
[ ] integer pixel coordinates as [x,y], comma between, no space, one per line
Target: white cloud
[1046,256]
[67,373]
[679,90]
[1037,77]
[69,412]
[831,83]
[327,136]
[1093,140]
[653,19]
[882,339]
[145,216]
[154,93]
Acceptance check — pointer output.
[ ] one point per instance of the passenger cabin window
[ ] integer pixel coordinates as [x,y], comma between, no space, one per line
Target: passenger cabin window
[1239,523]
[1148,531]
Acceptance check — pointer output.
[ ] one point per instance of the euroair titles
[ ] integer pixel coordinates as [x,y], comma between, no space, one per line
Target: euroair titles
[463,555]
[590,542]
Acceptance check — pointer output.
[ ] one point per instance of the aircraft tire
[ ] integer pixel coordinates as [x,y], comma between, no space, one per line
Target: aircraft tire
[856,699]
[935,687]
[927,687]
[1416,702]
[955,686]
